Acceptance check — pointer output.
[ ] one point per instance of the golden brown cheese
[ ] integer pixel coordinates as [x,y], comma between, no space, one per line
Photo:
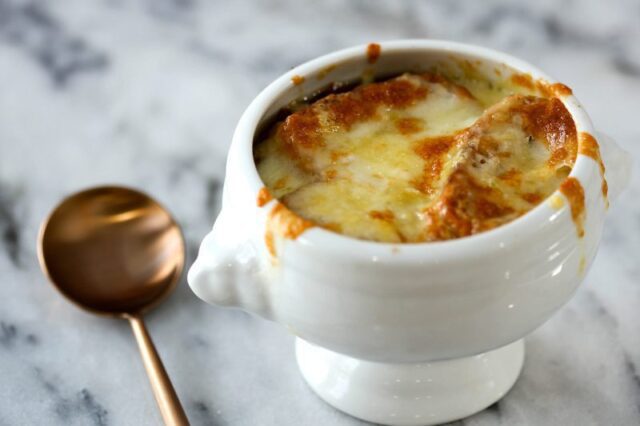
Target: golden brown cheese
[572,189]
[516,154]
[297,80]
[589,147]
[417,158]
[541,86]
[285,223]
[264,196]
[373,52]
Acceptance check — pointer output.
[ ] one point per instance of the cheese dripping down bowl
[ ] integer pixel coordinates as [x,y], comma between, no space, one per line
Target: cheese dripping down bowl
[379,326]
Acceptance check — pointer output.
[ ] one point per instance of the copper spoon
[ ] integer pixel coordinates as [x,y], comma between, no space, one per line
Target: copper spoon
[116,252]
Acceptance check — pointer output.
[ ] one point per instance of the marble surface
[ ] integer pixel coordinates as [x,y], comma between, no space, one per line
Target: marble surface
[147,93]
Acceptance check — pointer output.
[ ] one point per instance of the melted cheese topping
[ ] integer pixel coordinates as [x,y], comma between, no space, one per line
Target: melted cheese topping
[418,158]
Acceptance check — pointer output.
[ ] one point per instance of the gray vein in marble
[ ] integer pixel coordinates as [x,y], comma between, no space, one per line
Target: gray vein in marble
[556,31]
[624,65]
[8,334]
[11,336]
[606,318]
[609,321]
[32,28]
[10,225]
[203,415]
[214,195]
[66,407]
[633,373]
[97,413]
[171,10]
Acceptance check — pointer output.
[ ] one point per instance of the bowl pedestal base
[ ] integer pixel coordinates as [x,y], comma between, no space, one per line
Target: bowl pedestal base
[410,394]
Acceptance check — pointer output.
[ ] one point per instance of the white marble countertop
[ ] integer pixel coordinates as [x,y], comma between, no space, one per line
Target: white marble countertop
[147,93]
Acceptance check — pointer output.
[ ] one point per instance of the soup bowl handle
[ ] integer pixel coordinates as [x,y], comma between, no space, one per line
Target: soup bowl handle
[618,164]
[228,270]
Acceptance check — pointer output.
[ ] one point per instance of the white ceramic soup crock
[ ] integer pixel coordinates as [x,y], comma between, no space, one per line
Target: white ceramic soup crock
[402,334]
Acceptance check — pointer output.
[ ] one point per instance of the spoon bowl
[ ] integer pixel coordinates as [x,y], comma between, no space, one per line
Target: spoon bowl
[115,251]
[112,251]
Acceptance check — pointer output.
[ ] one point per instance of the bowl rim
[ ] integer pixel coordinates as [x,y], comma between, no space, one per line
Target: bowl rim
[499,238]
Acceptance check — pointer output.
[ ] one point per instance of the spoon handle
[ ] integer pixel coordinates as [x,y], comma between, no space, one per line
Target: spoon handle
[166,397]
